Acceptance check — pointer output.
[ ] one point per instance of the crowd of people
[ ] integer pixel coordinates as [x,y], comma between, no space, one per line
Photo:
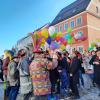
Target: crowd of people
[46,75]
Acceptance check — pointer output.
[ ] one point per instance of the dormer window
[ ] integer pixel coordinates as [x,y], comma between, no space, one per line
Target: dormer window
[59,18]
[74,10]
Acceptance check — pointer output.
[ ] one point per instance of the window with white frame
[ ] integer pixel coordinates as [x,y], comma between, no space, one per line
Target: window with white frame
[65,26]
[79,21]
[72,24]
[61,28]
[80,49]
[56,29]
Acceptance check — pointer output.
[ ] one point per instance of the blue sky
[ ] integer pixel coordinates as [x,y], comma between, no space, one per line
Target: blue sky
[19,17]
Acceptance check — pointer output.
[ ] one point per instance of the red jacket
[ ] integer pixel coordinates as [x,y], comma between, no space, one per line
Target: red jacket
[5,65]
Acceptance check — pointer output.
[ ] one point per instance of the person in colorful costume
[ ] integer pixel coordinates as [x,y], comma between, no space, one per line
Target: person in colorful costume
[39,71]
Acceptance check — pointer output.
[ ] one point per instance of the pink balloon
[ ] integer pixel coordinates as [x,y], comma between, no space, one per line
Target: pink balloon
[83,38]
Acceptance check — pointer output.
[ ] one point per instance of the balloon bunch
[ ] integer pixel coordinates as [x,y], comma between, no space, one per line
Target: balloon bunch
[79,36]
[57,40]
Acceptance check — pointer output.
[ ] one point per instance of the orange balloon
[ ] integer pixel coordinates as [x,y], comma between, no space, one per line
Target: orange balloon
[58,38]
[39,34]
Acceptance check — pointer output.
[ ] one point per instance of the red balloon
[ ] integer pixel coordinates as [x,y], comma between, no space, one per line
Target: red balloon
[72,34]
[76,40]
[65,43]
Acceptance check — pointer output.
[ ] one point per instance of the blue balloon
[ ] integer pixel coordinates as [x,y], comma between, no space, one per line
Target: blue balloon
[54,45]
[67,36]
[49,40]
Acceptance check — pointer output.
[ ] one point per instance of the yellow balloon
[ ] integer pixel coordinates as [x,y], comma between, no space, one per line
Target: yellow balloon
[63,47]
[98,40]
[60,34]
[45,33]
[43,41]
[42,44]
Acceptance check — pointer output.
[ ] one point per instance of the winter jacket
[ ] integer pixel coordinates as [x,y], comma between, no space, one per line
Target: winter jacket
[86,64]
[12,68]
[74,69]
[65,64]
[96,70]
[25,79]
[5,65]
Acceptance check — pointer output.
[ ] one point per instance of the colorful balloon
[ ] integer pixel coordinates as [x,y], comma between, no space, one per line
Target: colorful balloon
[72,34]
[54,35]
[70,41]
[51,30]
[60,34]
[64,42]
[68,47]
[49,40]
[93,45]
[57,39]
[54,45]
[45,33]
[83,38]
[90,49]
[67,36]
[39,34]
[42,41]
[77,36]
[63,47]
[69,30]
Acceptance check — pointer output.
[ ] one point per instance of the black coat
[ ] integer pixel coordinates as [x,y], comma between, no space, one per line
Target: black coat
[96,69]
[65,64]
[54,74]
[81,68]
[74,69]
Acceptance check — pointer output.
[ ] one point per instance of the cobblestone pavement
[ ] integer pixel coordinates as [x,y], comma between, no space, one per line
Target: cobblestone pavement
[91,94]
[1,92]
